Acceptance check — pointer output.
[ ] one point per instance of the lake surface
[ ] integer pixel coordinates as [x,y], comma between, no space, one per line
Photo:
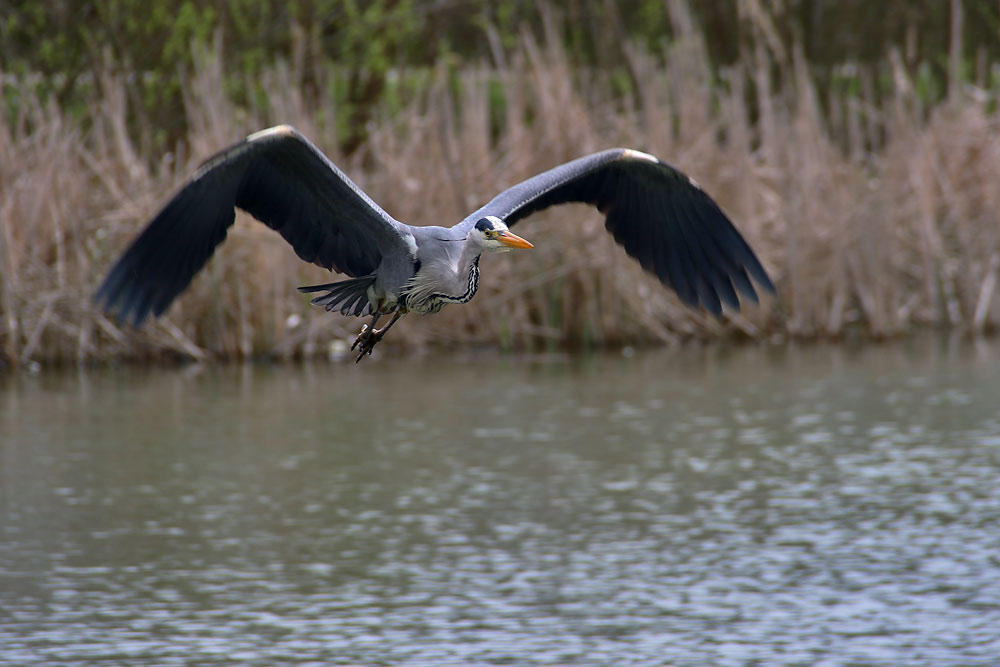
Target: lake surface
[750,506]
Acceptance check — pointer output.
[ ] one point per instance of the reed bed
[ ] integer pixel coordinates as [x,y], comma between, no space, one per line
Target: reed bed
[874,217]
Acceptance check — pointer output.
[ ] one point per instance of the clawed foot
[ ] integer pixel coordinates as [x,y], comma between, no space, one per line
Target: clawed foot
[370,336]
[367,340]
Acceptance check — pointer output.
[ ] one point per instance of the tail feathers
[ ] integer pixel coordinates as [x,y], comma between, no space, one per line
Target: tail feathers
[350,297]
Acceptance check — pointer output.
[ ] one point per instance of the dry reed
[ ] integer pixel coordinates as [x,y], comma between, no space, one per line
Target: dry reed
[875,218]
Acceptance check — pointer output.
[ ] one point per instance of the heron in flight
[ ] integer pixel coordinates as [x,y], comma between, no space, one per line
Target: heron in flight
[659,215]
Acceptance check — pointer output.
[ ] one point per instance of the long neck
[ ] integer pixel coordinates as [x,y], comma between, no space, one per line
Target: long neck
[440,283]
[468,273]
[468,261]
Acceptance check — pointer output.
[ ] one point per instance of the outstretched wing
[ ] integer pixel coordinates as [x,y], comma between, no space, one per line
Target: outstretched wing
[281,179]
[659,215]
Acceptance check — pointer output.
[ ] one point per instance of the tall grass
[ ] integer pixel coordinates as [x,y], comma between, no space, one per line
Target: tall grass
[873,213]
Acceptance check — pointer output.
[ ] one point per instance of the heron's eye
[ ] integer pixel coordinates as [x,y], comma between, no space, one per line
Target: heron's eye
[491,233]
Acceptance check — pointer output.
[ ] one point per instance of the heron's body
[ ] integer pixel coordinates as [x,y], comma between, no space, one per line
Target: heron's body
[660,216]
[423,283]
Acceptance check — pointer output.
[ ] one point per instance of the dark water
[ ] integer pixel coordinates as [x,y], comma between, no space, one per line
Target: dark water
[815,506]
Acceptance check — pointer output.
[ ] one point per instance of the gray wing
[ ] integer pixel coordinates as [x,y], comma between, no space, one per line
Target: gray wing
[281,179]
[659,215]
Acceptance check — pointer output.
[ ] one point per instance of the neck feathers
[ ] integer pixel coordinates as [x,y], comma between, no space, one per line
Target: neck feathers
[470,290]
[430,290]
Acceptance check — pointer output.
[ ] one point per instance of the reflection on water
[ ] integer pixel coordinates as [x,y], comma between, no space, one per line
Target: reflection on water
[818,506]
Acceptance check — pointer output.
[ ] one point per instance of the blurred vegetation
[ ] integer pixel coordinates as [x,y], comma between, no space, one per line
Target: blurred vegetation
[855,144]
[61,45]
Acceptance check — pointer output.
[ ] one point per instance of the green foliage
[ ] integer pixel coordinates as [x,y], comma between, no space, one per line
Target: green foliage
[153,43]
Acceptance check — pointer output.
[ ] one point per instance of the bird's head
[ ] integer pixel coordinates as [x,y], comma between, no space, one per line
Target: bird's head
[492,235]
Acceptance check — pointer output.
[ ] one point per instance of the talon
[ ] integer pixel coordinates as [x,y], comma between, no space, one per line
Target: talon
[362,337]
[370,336]
[367,350]
[367,339]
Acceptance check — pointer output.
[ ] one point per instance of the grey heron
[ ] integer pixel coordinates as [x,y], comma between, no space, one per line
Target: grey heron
[658,214]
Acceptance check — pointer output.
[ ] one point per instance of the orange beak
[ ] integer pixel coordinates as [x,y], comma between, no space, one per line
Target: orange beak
[513,240]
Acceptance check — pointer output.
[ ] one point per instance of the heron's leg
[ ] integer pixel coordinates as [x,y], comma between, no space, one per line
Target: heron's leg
[381,332]
[369,335]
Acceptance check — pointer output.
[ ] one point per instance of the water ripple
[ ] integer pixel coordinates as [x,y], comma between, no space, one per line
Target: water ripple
[813,509]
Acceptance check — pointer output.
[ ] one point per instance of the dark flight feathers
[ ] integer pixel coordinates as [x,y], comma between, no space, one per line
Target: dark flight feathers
[659,215]
[279,178]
